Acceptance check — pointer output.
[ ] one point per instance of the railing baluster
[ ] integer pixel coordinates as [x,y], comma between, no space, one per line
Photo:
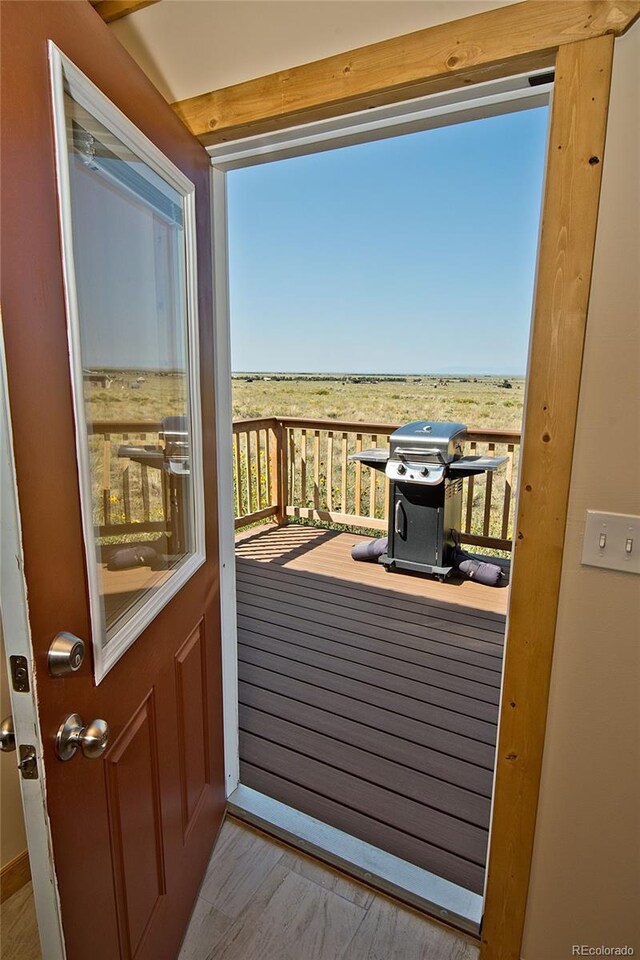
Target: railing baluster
[316,469]
[343,478]
[358,492]
[106,478]
[293,466]
[259,468]
[282,475]
[386,490]
[330,470]
[144,489]
[372,484]
[126,496]
[508,482]
[469,510]
[166,500]
[488,491]
[239,475]
[303,468]
[271,463]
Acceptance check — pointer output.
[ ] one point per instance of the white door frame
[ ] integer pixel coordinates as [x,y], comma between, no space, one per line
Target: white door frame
[17,642]
[226,511]
[483,100]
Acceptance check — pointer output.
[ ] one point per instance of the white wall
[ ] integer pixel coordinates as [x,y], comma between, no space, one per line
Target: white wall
[586,873]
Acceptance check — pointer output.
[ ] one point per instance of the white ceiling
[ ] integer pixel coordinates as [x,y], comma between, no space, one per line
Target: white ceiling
[188,47]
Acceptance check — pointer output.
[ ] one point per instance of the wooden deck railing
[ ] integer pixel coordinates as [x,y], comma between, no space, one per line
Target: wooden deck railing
[128,497]
[294,467]
[257,470]
[308,474]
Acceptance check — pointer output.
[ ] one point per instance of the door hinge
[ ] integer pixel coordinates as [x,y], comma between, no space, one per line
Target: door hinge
[28,764]
[19,674]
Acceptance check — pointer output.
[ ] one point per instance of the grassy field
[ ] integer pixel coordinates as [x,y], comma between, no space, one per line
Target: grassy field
[476,401]
[479,402]
[135,395]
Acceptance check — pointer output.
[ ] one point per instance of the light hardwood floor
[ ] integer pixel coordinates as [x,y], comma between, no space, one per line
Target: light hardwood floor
[261,900]
[18,929]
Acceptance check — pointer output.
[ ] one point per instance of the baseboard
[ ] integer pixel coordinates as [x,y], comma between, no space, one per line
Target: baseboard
[14,875]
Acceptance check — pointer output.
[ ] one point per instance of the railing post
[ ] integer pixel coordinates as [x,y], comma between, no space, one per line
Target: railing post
[278,456]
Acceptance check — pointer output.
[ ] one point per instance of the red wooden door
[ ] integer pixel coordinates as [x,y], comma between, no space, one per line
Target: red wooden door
[133,829]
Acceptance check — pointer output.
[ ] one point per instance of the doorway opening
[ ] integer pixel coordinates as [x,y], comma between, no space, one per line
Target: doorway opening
[380,273]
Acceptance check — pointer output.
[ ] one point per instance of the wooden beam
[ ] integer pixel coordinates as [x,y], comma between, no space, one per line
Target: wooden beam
[570,212]
[111,10]
[497,43]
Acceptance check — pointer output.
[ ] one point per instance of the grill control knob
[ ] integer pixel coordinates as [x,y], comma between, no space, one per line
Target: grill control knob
[402,468]
[424,472]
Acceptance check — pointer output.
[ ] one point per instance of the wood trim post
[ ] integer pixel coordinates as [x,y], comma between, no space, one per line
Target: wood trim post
[569,218]
[278,454]
[111,10]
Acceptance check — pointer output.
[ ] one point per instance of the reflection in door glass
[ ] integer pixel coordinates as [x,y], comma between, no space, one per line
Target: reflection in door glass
[129,261]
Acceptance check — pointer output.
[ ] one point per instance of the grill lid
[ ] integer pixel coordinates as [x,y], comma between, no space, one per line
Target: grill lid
[427,441]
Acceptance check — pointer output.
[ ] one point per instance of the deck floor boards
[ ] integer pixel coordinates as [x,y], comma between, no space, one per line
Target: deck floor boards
[370,700]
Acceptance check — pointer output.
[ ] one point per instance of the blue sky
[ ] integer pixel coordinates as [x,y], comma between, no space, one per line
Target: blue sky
[414,254]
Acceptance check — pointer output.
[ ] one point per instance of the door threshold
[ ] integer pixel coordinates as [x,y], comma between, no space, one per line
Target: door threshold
[441,899]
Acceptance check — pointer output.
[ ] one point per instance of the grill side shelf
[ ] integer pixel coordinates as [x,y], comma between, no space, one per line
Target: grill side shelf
[467,466]
[376,457]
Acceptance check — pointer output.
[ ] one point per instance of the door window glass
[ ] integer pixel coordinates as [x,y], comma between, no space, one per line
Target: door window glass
[133,339]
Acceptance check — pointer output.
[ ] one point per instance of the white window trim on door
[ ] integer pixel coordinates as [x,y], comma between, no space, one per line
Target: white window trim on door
[483,100]
[92,99]
[17,642]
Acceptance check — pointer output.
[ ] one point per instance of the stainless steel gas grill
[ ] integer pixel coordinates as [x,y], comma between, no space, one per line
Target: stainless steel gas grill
[425,465]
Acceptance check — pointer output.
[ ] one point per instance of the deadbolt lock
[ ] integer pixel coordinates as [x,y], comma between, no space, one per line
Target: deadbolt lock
[66,654]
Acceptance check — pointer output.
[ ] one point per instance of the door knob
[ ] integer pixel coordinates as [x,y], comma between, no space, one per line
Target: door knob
[7,735]
[92,738]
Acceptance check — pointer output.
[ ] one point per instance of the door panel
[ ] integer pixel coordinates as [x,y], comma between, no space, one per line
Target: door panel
[135,822]
[193,725]
[132,831]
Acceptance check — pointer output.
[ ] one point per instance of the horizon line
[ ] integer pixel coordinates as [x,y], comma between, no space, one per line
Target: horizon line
[371,373]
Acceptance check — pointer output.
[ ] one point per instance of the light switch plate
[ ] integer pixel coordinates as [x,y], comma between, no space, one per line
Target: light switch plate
[612,540]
